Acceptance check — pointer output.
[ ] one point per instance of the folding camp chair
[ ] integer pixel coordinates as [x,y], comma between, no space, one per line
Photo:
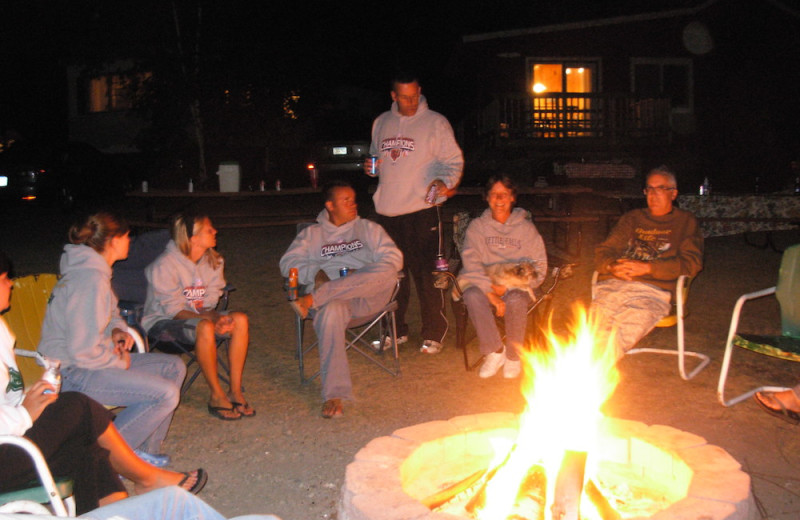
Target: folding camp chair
[543,293]
[787,345]
[676,317]
[56,492]
[130,286]
[361,335]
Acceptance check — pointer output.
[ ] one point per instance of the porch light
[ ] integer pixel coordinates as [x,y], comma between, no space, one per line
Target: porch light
[538,88]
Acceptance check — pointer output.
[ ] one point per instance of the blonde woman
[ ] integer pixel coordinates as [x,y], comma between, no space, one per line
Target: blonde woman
[184,287]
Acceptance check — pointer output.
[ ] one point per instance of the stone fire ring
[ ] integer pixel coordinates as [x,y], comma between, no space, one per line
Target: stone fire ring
[717,490]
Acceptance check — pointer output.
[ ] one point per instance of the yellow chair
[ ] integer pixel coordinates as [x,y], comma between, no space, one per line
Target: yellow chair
[28,307]
[674,318]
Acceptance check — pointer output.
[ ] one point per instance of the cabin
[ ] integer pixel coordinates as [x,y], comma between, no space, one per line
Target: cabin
[708,89]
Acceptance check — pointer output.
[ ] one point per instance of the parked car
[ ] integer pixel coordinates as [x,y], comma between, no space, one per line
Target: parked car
[343,159]
[65,175]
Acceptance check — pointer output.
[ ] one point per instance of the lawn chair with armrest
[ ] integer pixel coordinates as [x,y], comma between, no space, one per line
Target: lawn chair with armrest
[785,346]
[674,318]
[358,333]
[130,285]
[543,293]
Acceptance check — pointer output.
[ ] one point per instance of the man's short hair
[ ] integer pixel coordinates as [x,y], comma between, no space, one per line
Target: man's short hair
[328,189]
[403,77]
[664,170]
[503,179]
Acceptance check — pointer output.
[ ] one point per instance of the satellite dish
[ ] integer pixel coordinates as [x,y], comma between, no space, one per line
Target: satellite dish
[697,39]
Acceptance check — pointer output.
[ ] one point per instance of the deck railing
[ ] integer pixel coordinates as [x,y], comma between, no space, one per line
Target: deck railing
[613,117]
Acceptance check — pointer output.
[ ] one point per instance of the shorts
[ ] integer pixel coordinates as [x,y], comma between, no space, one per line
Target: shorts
[182,331]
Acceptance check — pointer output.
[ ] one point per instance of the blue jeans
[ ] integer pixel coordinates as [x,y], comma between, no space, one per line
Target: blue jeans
[169,503]
[481,314]
[149,390]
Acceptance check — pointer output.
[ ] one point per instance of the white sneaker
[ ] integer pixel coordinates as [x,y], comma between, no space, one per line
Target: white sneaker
[430,346]
[512,369]
[492,363]
[387,342]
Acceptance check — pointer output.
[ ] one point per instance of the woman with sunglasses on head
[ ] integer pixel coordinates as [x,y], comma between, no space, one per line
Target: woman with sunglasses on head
[83,329]
[74,433]
[184,287]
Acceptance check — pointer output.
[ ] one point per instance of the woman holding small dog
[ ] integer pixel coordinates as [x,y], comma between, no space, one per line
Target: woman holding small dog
[504,259]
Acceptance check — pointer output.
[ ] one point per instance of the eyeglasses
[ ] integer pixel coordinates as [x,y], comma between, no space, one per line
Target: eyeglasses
[657,189]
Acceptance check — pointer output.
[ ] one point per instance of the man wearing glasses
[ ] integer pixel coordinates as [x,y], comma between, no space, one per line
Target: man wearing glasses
[640,262]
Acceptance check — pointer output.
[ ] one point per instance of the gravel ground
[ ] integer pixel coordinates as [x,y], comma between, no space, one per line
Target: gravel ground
[290,462]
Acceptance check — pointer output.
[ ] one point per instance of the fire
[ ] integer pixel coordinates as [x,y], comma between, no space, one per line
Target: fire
[564,386]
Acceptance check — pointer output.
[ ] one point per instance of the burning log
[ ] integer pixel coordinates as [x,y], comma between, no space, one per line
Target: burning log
[569,486]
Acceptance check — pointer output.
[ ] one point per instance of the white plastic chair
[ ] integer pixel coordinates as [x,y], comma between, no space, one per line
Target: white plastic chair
[676,318]
[787,345]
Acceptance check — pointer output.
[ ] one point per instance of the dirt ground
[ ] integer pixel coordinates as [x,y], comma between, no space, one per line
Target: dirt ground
[290,462]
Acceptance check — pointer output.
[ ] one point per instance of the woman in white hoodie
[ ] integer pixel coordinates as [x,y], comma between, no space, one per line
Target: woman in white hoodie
[183,289]
[74,433]
[501,241]
[84,330]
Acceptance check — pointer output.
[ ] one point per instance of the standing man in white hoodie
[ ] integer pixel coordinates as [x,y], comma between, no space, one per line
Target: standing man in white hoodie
[416,150]
[340,238]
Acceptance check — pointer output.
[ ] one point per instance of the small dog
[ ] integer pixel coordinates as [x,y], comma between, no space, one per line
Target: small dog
[513,276]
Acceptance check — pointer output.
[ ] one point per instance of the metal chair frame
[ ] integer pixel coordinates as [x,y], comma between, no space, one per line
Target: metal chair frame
[676,318]
[785,291]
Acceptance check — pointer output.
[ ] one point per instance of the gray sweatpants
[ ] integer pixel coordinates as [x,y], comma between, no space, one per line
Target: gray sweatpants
[629,310]
[342,303]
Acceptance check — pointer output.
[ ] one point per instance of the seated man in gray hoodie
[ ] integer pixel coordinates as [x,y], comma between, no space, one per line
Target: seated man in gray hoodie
[340,238]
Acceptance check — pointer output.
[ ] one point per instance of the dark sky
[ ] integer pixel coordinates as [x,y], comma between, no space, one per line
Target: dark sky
[324,43]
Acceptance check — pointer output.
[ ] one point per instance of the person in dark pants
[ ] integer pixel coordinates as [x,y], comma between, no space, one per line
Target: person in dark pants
[419,165]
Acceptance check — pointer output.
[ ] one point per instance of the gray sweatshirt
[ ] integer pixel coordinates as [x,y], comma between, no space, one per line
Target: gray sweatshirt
[489,242]
[328,247]
[415,151]
[82,312]
[175,283]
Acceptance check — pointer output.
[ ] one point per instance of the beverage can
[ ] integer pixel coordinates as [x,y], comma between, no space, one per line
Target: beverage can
[372,163]
[261,186]
[291,293]
[432,195]
[278,185]
[144,187]
[442,263]
[343,272]
[52,374]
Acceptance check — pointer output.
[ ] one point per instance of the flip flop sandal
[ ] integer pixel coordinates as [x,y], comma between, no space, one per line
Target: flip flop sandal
[215,411]
[199,484]
[784,413]
[243,406]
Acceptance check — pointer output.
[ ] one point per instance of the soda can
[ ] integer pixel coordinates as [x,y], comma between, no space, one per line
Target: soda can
[442,264]
[343,272]
[144,187]
[372,163]
[52,375]
[432,195]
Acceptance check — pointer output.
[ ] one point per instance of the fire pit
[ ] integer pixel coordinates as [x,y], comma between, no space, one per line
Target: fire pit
[546,464]
[687,478]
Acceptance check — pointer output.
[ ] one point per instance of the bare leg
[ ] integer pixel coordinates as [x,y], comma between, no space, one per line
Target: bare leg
[237,354]
[205,347]
[144,476]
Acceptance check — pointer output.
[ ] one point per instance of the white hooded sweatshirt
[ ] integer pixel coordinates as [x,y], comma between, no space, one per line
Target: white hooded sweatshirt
[328,247]
[414,151]
[82,312]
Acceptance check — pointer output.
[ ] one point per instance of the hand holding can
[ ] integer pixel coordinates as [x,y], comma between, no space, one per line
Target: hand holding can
[371,165]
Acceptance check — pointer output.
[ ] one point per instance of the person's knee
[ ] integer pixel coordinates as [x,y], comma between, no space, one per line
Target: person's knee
[516,297]
[241,323]
[473,294]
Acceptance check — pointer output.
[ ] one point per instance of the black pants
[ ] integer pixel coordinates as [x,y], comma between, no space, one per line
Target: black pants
[66,432]
[417,236]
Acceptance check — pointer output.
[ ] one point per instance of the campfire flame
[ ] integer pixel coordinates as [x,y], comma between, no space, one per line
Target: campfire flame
[564,382]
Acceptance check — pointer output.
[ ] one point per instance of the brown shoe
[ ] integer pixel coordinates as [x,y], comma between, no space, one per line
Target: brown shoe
[332,409]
